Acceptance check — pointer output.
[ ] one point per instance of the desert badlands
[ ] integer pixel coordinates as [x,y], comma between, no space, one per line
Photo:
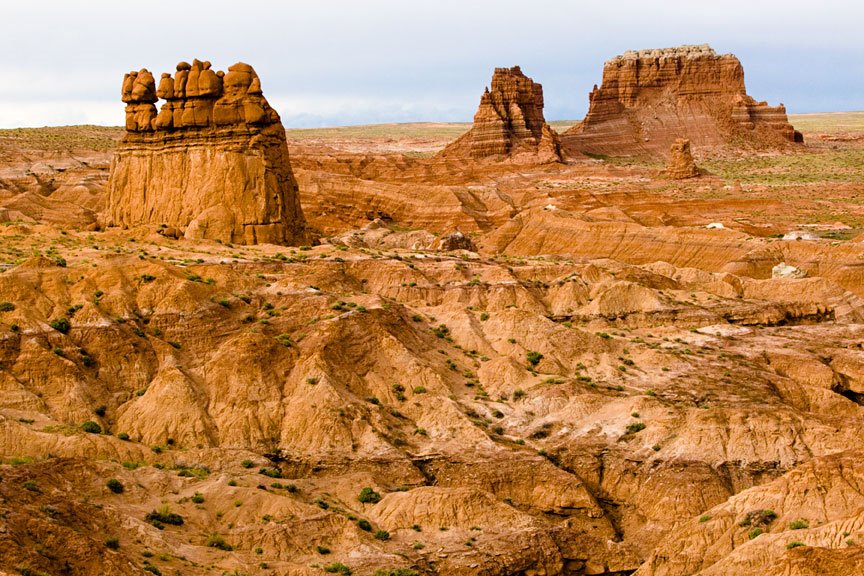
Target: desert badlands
[626,345]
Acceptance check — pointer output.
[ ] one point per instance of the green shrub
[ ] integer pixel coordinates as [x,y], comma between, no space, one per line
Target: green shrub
[369,496]
[217,541]
[534,357]
[152,569]
[247,464]
[7,306]
[337,568]
[382,535]
[396,572]
[115,486]
[794,544]
[635,427]
[62,325]
[91,427]
[112,543]
[197,498]
[164,516]
[704,518]
[754,533]
[799,524]
[323,550]
[271,472]
[284,340]
[518,394]
[364,525]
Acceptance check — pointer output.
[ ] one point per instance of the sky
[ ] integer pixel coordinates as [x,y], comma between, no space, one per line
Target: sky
[339,62]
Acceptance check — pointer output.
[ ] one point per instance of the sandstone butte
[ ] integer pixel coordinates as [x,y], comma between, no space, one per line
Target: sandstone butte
[649,98]
[681,165]
[211,164]
[509,123]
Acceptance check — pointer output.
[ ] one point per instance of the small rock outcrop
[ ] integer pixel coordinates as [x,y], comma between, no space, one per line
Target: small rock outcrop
[783,270]
[681,165]
[509,123]
[455,241]
[212,163]
[649,98]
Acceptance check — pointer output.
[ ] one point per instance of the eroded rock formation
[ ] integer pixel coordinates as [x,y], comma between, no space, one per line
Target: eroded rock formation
[509,123]
[213,162]
[648,98]
[681,165]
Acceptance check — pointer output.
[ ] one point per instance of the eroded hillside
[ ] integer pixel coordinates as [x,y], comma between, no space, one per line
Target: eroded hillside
[604,385]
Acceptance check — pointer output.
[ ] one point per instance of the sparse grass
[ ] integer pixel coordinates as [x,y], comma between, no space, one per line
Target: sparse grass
[791,169]
[828,122]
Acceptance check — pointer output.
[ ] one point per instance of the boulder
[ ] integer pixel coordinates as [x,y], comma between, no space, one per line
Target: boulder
[783,270]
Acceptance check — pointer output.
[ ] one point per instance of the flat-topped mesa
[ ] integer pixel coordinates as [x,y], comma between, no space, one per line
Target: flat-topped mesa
[509,123]
[649,98]
[212,163]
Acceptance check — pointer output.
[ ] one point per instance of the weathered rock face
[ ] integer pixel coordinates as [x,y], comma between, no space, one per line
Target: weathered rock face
[509,123]
[651,97]
[213,162]
[681,165]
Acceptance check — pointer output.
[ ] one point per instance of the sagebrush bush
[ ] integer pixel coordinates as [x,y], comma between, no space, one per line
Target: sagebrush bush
[369,496]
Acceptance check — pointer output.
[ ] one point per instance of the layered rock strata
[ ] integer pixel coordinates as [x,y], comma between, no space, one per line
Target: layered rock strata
[213,162]
[509,123]
[681,164]
[649,98]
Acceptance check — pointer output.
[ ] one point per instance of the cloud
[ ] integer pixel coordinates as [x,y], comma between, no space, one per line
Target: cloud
[390,60]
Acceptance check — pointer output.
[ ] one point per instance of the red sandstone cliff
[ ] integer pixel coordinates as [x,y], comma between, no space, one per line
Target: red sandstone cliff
[650,98]
[509,123]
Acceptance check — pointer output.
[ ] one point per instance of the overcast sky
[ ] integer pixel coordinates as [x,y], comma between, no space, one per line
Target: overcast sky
[334,62]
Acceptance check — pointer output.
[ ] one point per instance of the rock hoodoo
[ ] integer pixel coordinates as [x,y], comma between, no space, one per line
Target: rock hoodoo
[681,165]
[650,98]
[213,162]
[509,123]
